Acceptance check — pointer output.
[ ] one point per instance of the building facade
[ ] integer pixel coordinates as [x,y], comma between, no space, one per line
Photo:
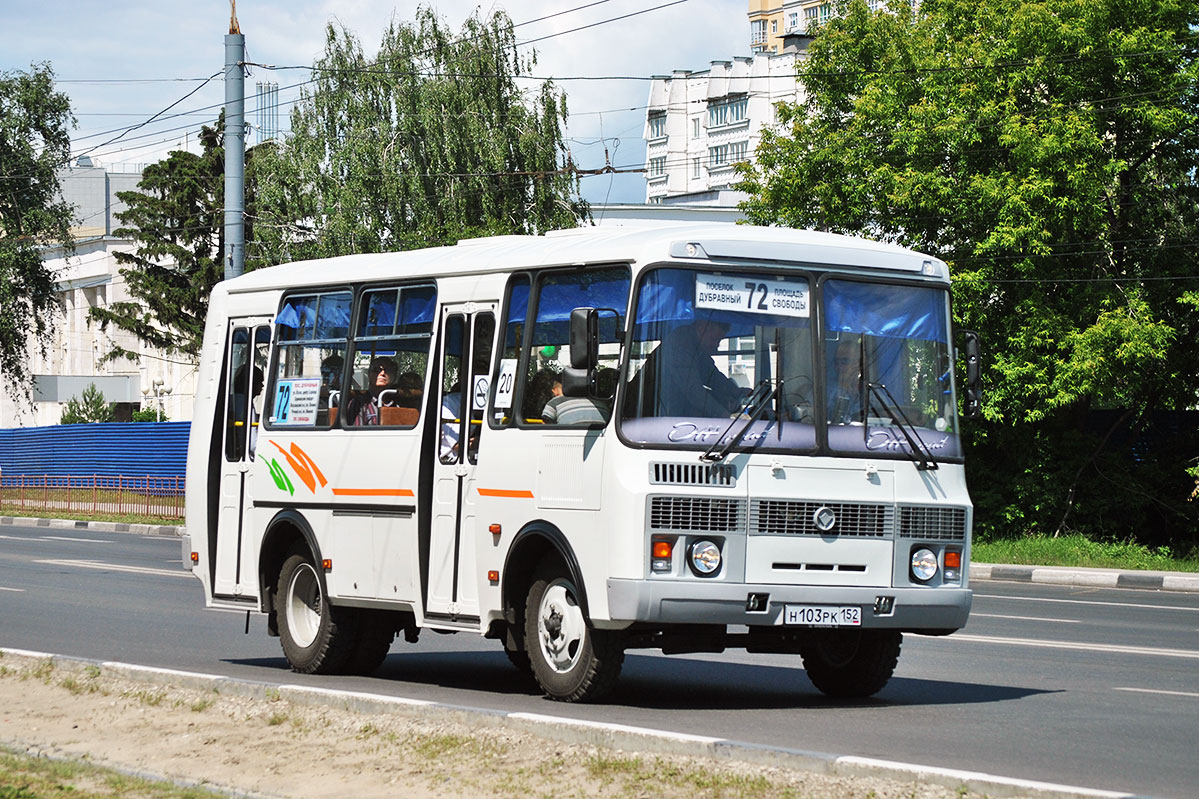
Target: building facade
[699,125]
[770,21]
[87,279]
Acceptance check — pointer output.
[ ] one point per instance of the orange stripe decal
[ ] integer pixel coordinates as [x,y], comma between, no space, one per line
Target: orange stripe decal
[372,492]
[506,493]
[299,453]
[301,468]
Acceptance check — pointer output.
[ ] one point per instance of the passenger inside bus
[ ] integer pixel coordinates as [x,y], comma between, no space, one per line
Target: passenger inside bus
[564,410]
[685,379]
[364,407]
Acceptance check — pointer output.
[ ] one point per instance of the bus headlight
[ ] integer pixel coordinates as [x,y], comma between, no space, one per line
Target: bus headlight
[704,556]
[924,565]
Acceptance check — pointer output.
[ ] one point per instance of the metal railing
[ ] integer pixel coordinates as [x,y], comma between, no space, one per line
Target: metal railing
[146,495]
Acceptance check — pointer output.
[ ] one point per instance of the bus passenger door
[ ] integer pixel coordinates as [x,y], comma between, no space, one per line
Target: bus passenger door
[467,335]
[247,346]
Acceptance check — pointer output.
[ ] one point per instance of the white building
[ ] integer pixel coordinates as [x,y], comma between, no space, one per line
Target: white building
[699,124]
[88,279]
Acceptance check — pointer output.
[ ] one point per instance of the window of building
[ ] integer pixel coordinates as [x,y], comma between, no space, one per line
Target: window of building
[657,126]
[657,167]
[774,26]
[695,168]
[738,151]
[811,16]
[728,111]
[695,127]
[826,12]
[718,156]
[757,31]
[793,20]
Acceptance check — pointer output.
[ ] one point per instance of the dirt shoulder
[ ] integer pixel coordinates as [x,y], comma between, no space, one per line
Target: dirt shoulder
[271,746]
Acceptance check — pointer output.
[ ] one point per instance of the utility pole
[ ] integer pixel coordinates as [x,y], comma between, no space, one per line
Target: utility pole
[235,148]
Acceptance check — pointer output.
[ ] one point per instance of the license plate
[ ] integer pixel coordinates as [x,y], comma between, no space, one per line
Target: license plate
[823,615]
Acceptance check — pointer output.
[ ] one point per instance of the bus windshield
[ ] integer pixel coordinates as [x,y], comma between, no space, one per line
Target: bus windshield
[733,360]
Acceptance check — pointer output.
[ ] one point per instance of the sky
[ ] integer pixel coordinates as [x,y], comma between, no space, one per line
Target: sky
[124,61]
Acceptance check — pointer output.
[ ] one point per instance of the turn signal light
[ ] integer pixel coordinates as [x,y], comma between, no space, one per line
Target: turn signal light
[495,529]
[493,576]
[953,560]
[195,558]
[662,560]
[327,564]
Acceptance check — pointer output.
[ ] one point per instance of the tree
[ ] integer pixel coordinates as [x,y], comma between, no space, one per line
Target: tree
[90,407]
[176,218]
[149,415]
[431,141]
[1047,150]
[34,143]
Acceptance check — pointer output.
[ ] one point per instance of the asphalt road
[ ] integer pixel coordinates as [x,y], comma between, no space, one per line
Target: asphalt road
[1089,687]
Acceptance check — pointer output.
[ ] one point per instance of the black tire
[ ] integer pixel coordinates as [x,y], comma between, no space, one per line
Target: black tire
[520,659]
[376,631]
[851,664]
[571,660]
[317,638]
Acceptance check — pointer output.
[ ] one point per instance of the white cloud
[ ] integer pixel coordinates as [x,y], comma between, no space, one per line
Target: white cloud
[131,40]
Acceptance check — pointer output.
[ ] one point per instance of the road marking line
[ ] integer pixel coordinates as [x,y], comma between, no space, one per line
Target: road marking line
[1112,648]
[92,564]
[75,540]
[14,590]
[1191,694]
[1085,602]
[1022,618]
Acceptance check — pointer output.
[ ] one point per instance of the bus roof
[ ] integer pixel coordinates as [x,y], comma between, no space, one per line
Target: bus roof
[708,243]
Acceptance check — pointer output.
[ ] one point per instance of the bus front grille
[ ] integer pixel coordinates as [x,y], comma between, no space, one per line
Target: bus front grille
[699,514]
[932,523]
[790,517]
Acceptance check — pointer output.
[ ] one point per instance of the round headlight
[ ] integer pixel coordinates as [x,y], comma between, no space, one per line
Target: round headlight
[705,557]
[924,565]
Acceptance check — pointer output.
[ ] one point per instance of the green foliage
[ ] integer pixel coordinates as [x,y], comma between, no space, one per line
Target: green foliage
[90,407]
[1047,151]
[1078,550]
[34,142]
[149,415]
[431,141]
[176,218]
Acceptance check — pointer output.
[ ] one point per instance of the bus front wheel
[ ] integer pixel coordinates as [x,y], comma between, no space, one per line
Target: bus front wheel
[851,664]
[571,660]
[317,638]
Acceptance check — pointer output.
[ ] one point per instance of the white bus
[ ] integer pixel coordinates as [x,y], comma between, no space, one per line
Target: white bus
[685,438]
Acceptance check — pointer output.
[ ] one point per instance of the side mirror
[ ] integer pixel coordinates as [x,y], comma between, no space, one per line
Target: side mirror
[584,338]
[974,382]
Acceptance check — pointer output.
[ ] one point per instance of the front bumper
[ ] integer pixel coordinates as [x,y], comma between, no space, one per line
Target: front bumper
[694,602]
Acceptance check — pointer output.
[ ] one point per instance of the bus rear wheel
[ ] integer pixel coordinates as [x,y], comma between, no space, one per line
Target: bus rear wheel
[851,664]
[571,660]
[317,638]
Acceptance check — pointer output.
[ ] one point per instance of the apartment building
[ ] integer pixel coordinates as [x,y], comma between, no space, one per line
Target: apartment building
[700,124]
[772,20]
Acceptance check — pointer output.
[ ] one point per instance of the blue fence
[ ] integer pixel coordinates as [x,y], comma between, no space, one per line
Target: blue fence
[141,449]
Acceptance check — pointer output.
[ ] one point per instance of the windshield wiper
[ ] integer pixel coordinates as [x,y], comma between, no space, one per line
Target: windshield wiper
[753,407]
[919,451]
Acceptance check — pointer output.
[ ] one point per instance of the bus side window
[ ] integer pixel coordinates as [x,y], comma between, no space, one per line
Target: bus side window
[548,353]
[391,357]
[310,338]
[503,385]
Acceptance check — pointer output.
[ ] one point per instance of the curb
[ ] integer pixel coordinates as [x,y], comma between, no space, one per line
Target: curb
[107,527]
[577,731]
[1092,578]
